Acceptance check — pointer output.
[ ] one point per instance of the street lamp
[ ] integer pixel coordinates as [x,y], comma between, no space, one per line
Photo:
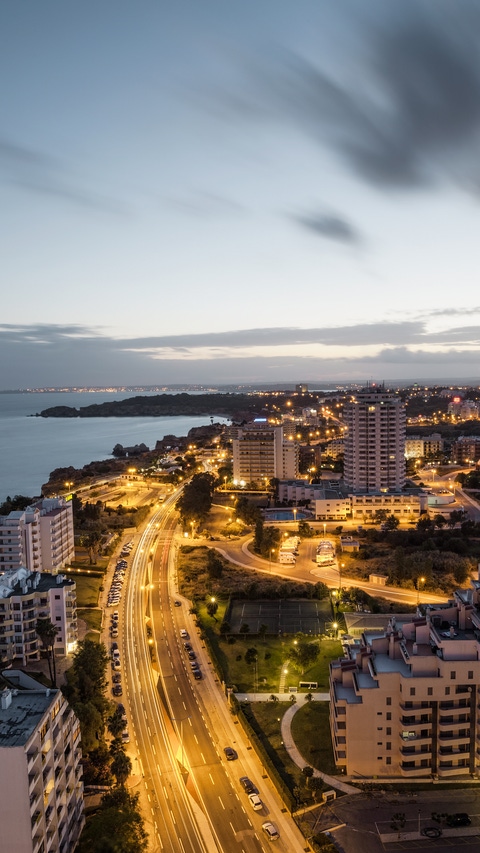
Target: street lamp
[419,581]
[272,551]
[341,567]
[324,530]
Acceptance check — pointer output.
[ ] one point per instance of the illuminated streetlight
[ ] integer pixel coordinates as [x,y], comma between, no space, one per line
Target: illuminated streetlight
[419,581]
[272,551]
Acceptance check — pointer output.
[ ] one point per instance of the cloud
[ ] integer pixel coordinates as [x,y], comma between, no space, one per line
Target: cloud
[330,226]
[203,203]
[40,174]
[401,106]
[75,355]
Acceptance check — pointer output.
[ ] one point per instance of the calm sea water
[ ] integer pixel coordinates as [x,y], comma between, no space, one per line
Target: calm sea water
[30,447]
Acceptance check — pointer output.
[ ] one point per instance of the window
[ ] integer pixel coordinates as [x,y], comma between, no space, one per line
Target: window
[412,691]
[388,715]
[388,730]
[389,700]
[447,691]
[389,744]
[57,598]
[430,691]
[470,674]
[453,675]
[388,760]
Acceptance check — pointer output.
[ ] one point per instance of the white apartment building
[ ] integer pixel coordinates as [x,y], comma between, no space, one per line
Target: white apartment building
[402,505]
[375,441]
[464,410]
[413,693]
[27,596]
[260,452]
[41,792]
[325,500]
[418,446]
[39,538]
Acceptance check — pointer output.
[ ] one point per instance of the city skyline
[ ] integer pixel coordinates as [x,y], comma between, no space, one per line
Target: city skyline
[246,194]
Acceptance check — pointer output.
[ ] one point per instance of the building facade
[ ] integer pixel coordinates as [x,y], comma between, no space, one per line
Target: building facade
[375,441]
[413,693]
[419,446]
[404,506]
[27,596]
[260,452]
[39,538]
[41,792]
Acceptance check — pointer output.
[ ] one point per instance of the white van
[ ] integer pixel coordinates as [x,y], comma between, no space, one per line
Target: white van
[287,557]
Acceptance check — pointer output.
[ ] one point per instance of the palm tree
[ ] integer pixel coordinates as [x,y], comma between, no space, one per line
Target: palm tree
[121,767]
[47,632]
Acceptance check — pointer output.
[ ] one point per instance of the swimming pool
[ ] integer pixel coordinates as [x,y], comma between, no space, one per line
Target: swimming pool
[284,515]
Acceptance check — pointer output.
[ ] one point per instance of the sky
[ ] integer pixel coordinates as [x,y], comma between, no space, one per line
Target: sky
[239,192]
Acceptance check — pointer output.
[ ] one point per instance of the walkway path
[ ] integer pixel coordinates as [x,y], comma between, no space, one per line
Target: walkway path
[286,728]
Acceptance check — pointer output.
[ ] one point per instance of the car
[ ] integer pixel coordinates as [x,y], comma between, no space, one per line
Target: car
[187,647]
[125,736]
[117,690]
[248,785]
[116,664]
[458,819]
[178,603]
[194,664]
[184,634]
[116,677]
[255,802]
[270,830]
[191,655]
[114,632]
[230,753]
[114,647]
[116,653]
[197,673]
[115,614]
[122,712]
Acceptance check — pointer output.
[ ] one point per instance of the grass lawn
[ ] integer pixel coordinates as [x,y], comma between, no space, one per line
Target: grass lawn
[311,733]
[92,617]
[265,719]
[272,657]
[88,589]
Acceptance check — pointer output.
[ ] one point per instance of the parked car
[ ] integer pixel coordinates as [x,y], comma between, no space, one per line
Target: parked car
[458,819]
[270,830]
[230,753]
[125,736]
[184,634]
[248,785]
[121,710]
[192,655]
[117,690]
[178,603]
[187,647]
[255,802]
[116,663]
[194,664]
[197,673]
[117,677]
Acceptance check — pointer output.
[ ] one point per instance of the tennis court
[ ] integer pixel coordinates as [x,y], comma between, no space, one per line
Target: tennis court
[283,616]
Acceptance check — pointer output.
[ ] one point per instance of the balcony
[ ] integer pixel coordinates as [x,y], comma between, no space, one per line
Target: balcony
[420,720]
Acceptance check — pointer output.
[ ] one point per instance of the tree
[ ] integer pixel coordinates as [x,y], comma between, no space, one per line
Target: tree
[308,697]
[251,655]
[47,632]
[214,564]
[439,521]
[196,499]
[308,773]
[212,607]
[92,543]
[96,766]
[115,723]
[117,827]
[225,628]
[380,516]
[244,629]
[391,523]
[262,631]
[304,654]
[121,766]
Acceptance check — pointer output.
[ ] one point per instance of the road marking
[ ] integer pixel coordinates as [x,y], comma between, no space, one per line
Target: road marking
[223,807]
[203,757]
[231,824]
[196,739]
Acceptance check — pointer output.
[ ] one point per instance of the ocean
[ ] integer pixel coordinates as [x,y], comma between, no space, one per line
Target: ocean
[31,447]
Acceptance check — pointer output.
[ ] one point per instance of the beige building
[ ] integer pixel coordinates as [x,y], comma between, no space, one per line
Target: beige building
[404,506]
[41,792]
[27,596]
[418,446]
[375,441]
[39,538]
[413,693]
[261,452]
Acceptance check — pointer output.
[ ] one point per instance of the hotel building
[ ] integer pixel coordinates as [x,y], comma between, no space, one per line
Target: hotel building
[375,441]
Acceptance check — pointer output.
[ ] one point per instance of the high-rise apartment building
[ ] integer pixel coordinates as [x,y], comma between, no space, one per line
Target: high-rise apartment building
[375,441]
[260,452]
[413,693]
[41,792]
[27,596]
[39,538]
